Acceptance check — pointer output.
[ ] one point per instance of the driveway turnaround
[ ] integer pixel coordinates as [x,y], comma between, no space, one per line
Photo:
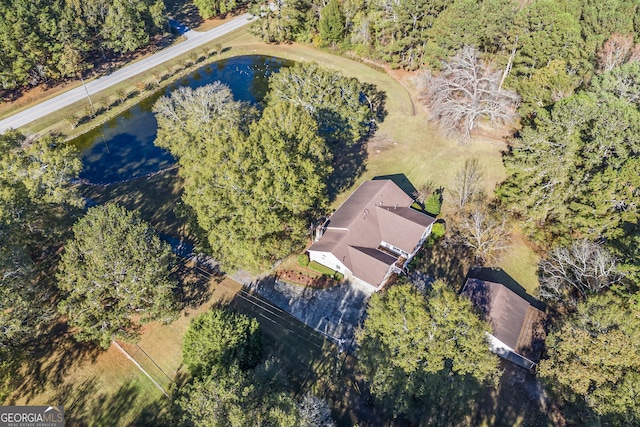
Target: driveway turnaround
[194,40]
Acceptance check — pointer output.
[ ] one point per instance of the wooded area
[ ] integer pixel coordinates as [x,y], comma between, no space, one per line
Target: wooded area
[46,40]
[273,168]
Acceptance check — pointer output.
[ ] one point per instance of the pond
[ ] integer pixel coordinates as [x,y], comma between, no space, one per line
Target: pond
[123,148]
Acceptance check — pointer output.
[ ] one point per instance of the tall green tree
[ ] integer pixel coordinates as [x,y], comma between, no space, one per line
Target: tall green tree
[400,28]
[210,8]
[594,356]
[221,338]
[341,106]
[124,29]
[574,170]
[487,25]
[332,23]
[115,276]
[42,40]
[599,20]
[269,176]
[35,197]
[425,357]
[235,398]
[282,21]
[551,60]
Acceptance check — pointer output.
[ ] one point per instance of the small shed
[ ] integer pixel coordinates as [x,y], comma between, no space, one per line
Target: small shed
[517,320]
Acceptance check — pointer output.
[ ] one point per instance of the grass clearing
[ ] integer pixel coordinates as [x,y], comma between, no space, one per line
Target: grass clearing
[521,263]
[95,387]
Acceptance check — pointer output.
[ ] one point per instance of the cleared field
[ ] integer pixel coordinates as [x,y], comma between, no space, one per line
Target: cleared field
[95,387]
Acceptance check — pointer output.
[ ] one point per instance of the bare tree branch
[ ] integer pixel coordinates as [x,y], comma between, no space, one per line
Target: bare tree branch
[571,273]
[466,90]
[468,186]
[315,412]
[484,233]
[616,51]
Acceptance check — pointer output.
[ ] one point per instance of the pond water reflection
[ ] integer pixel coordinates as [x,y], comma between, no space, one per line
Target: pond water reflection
[123,149]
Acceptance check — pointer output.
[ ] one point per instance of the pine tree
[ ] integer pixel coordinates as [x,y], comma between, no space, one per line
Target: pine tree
[595,354]
[332,24]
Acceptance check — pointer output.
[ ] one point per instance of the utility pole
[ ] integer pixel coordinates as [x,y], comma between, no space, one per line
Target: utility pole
[88,97]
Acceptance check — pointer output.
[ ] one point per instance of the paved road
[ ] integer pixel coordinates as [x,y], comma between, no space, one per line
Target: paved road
[194,40]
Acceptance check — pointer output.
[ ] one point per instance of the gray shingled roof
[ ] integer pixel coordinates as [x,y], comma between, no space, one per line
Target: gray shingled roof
[378,210]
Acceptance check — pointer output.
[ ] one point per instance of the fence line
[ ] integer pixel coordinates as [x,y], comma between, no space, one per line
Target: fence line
[141,368]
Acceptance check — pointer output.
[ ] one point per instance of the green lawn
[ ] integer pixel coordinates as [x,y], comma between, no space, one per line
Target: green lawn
[95,387]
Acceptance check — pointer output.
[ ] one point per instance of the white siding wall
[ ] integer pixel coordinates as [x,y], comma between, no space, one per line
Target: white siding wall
[329,260]
[498,347]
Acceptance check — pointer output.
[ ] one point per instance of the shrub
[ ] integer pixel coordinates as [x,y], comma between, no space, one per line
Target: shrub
[338,276]
[438,230]
[303,260]
[433,204]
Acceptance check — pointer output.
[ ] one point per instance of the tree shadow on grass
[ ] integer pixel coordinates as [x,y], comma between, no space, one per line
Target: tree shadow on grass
[195,285]
[51,358]
[518,398]
[349,158]
[296,345]
[86,404]
[401,181]
[445,261]
[185,12]
[348,164]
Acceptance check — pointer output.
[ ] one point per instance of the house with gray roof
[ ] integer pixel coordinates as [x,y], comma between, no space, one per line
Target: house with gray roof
[373,234]
[516,318]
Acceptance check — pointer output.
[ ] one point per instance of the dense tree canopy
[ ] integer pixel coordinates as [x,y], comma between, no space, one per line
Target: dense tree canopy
[332,22]
[115,275]
[34,186]
[574,171]
[236,398]
[221,338]
[547,47]
[595,354]
[425,357]
[341,106]
[52,39]
[210,8]
[221,349]
[270,171]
